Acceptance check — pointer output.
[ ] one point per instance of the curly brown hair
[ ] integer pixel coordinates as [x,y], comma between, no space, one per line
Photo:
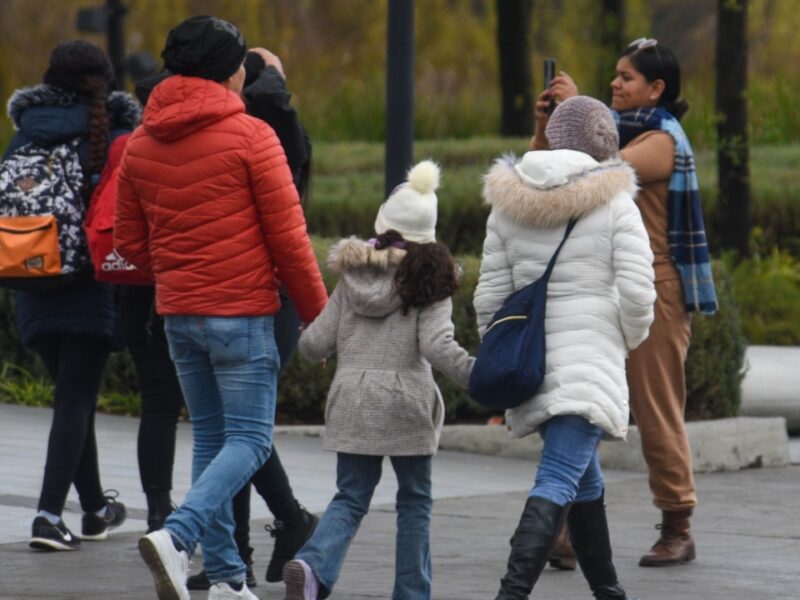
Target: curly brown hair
[427,274]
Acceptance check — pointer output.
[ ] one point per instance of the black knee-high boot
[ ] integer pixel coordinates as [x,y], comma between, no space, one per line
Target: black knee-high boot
[530,547]
[588,529]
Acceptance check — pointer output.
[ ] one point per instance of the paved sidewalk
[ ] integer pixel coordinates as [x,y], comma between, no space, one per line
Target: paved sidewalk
[747,528]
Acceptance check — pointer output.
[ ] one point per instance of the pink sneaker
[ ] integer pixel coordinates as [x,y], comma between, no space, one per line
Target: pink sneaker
[301,583]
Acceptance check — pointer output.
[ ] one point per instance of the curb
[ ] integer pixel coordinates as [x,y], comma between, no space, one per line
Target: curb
[771,385]
[717,445]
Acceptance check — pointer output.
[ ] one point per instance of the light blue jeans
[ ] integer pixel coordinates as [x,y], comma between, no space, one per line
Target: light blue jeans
[569,470]
[227,368]
[356,478]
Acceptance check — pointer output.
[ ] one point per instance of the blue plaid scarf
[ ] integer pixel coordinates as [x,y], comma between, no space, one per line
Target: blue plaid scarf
[686,235]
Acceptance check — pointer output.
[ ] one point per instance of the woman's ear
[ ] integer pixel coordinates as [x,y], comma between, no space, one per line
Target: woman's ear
[657,88]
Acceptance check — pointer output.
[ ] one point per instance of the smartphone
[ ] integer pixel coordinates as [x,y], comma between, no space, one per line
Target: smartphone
[549,74]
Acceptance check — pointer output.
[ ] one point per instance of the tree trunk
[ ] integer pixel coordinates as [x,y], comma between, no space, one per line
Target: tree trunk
[612,41]
[733,152]
[516,80]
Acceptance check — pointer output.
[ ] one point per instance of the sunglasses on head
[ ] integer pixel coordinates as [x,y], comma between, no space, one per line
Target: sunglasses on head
[643,43]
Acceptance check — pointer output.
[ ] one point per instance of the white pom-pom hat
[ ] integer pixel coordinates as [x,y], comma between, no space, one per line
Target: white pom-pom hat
[411,208]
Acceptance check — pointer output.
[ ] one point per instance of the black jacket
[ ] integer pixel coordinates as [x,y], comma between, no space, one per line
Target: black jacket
[268,99]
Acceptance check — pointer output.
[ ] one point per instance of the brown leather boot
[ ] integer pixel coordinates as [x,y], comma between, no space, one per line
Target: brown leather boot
[562,556]
[675,546]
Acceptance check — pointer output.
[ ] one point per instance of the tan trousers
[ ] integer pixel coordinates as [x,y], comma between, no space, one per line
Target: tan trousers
[657,385]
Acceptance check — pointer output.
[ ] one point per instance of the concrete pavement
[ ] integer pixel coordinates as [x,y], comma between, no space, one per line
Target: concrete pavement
[746,527]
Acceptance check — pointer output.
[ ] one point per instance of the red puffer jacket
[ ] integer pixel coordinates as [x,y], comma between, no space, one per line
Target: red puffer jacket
[206,203]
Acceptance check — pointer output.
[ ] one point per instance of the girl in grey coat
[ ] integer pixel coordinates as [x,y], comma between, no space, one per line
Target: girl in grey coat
[388,321]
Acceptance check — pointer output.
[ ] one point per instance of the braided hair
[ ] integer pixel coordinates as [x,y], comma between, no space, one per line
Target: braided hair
[85,69]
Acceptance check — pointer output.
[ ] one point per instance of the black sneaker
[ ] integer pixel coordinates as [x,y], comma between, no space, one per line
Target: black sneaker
[289,538]
[94,528]
[201,582]
[46,536]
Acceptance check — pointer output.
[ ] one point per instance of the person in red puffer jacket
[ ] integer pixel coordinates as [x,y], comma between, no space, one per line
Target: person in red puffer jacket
[207,204]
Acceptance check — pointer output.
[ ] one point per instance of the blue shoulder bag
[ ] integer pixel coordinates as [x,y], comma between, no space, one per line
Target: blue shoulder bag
[510,365]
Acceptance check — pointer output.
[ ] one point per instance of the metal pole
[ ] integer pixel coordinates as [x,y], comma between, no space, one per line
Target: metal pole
[399,92]
[116,40]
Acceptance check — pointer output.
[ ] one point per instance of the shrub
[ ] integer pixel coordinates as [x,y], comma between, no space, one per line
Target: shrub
[714,366]
[20,386]
[767,290]
[304,386]
[11,350]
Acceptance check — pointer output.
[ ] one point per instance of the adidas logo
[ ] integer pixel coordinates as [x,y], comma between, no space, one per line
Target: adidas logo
[114,262]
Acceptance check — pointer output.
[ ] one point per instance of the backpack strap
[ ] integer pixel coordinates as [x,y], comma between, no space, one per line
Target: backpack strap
[551,264]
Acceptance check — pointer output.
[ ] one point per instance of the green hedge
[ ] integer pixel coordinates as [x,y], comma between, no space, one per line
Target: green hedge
[347,188]
[713,369]
[767,291]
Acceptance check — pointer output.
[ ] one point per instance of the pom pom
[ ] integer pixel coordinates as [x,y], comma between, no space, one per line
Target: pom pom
[424,177]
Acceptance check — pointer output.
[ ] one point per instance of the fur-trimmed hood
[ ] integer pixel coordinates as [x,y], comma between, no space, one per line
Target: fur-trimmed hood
[554,186]
[368,275]
[123,110]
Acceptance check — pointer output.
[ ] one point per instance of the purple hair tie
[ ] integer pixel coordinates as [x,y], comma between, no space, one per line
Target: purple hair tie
[398,244]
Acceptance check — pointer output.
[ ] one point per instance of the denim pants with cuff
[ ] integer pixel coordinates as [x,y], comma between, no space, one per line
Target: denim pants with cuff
[356,478]
[569,470]
[227,368]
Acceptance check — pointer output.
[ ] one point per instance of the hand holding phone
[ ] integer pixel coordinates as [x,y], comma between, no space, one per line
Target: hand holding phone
[549,74]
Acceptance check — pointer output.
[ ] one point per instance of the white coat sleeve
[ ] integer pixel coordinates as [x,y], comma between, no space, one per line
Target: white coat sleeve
[633,270]
[495,283]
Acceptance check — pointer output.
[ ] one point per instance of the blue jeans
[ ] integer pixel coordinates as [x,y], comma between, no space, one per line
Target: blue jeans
[227,368]
[569,470]
[356,478]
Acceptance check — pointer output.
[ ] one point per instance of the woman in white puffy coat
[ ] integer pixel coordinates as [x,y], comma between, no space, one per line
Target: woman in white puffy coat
[599,306]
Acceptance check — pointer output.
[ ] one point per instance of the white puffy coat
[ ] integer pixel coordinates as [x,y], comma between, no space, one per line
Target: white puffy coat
[600,296]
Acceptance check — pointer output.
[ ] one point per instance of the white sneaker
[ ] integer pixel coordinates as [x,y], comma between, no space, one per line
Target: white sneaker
[168,566]
[301,583]
[223,591]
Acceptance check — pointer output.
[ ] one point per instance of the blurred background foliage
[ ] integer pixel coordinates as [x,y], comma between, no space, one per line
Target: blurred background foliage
[335,52]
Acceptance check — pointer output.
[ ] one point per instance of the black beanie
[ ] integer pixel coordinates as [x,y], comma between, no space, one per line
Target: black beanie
[73,62]
[205,47]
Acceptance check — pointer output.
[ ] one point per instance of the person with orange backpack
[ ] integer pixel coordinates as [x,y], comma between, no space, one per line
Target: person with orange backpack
[71,322]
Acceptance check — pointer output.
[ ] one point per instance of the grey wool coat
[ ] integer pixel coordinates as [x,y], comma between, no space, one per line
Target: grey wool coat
[383,399]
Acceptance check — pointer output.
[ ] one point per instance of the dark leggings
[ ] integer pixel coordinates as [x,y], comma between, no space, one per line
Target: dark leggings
[162,399]
[271,481]
[76,364]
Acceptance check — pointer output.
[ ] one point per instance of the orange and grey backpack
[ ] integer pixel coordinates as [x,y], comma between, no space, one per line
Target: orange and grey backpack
[42,209]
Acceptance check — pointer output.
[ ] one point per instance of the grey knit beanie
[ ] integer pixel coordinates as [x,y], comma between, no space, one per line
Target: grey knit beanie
[584,124]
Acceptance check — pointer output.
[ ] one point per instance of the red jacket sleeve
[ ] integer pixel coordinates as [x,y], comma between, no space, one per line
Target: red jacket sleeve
[131,233]
[283,223]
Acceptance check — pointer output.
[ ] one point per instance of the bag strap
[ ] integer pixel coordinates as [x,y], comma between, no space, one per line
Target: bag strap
[551,264]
